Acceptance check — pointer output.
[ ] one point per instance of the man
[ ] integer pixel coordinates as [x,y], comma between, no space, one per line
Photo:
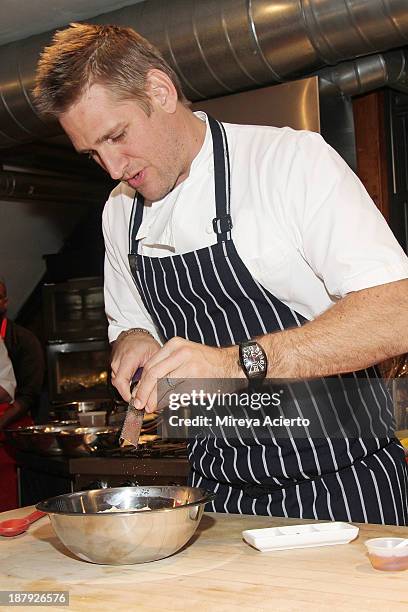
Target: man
[225,240]
[25,358]
[26,355]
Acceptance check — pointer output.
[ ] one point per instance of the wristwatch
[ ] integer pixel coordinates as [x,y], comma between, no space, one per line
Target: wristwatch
[253,360]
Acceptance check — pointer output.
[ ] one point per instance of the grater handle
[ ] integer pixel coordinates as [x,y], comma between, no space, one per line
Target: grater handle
[135,378]
[134,418]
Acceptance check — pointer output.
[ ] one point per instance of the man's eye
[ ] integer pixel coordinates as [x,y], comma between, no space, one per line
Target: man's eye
[118,138]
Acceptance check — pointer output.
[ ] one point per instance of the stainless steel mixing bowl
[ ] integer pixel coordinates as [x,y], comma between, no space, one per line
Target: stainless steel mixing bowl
[127,536]
[38,438]
[80,441]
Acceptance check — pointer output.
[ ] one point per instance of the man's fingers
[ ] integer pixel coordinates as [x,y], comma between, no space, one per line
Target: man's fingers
[123,379]
[168,386]
[122,384]
[148,382]
[127,357]
[164,352]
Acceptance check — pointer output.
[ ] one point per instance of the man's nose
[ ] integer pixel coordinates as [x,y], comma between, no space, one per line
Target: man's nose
[114,164]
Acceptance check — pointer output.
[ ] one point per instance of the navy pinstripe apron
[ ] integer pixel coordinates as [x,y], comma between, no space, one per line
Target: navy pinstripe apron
[209,296]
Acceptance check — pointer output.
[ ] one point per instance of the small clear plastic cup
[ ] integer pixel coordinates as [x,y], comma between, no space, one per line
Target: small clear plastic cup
[384,556]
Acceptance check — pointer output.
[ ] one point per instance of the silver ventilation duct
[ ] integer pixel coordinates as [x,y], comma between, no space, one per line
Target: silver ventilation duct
[221,46]
[366,74]
[24,186]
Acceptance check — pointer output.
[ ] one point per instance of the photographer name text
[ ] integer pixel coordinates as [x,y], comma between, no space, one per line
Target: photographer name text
[231,421]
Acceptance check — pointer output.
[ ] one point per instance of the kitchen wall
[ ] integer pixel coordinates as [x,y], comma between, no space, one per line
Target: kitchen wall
[27,232]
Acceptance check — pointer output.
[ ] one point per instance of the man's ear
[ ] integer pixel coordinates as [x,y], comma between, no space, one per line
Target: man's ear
[161,90]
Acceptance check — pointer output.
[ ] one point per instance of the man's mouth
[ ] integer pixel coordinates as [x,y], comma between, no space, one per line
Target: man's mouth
[137,179]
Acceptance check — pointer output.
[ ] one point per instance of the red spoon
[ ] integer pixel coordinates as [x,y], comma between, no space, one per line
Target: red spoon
[13,527]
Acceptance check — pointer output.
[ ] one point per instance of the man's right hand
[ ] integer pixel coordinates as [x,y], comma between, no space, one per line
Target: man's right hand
[129,353]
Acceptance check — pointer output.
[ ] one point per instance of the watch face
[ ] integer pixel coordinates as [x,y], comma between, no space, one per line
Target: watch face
[253,359]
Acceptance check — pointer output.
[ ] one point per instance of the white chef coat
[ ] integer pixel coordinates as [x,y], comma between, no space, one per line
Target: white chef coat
[7,378]
[303,224]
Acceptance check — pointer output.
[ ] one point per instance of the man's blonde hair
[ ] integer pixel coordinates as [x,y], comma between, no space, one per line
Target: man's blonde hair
[85,54]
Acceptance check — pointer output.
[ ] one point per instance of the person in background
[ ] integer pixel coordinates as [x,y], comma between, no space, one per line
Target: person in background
[27,357]
[23,363]
[7,378]
[8,488]
[234,252]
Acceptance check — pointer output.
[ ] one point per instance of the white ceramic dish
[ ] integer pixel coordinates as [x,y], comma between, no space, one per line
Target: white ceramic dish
[300,536]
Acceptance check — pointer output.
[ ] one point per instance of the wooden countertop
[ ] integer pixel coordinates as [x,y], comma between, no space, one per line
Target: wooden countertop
[217,571]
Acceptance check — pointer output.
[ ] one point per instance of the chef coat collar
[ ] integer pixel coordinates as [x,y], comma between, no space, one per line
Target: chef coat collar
[156,227]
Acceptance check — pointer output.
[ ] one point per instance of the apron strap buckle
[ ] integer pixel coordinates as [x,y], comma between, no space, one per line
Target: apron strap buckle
[133,262]
[221,225]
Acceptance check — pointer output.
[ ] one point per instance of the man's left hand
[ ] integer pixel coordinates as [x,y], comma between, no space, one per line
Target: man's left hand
[181,359]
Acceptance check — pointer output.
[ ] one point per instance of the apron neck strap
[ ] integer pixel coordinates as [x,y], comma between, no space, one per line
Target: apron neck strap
[135,222]
[222,223]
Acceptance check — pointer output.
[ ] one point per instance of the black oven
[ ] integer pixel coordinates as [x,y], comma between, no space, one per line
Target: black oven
[78,371]
[78,351]
[74,310]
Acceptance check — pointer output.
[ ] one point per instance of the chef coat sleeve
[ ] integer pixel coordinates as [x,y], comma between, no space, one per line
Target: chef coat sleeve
[340,232]
[123,304]
[7,378]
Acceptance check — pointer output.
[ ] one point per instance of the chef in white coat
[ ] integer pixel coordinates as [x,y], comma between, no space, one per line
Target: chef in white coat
[240,252]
